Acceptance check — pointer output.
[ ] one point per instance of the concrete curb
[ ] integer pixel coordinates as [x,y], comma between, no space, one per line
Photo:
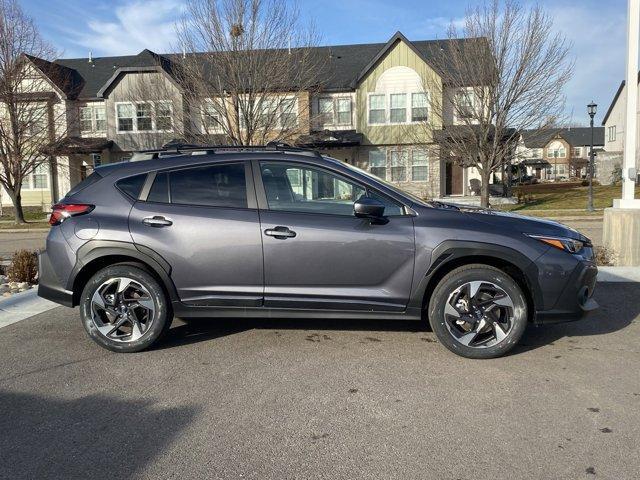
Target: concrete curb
[23,305]
[619,274]
[21,230]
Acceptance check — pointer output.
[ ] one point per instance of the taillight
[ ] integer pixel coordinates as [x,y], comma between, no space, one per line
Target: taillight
[62,211]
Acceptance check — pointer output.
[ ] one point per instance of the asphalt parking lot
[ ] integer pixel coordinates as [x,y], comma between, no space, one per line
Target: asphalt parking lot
[318,399]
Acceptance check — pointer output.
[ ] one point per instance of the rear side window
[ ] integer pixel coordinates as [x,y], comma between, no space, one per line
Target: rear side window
[90,180]
[132,186]
[160,189]
[211,186]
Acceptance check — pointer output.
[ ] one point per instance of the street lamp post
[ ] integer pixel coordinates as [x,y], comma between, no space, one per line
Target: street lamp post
[591,109]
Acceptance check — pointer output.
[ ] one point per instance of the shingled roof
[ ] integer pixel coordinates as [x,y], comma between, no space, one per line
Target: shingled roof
[575,136]
[343,66]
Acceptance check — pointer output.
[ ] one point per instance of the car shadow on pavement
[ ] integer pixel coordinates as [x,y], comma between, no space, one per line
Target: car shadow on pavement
[91,437]
[619,307]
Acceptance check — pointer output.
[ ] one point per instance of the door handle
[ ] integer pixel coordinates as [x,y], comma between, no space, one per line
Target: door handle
[281,233]
[157,221]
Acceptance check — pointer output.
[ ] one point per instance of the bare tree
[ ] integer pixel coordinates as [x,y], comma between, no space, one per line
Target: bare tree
[248,70]
[503,73]
[30,111]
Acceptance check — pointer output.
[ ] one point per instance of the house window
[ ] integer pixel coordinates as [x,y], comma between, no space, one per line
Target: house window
[144,117]
[536,153]
[288,112]
[557,152]
[377,109]
[399,161]
[419,165]
[612,133]
[334,110]
[419,109]
[38,179]
[577,151]
[93,118]
[398,108]
[124,113]
[464,104]
[210,118]
[164,116]
[378,163]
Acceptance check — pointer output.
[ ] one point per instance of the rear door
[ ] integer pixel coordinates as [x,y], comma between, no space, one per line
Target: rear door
[204,222]
[318,255]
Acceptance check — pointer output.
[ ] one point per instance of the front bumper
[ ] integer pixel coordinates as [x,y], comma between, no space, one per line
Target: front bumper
[576,299]
[49,285]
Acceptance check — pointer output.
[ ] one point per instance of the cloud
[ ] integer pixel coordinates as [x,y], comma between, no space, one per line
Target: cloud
[599,46]
[135,26]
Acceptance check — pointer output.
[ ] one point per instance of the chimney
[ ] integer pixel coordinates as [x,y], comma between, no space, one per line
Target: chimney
[184,52]
[289,45]
[90,56]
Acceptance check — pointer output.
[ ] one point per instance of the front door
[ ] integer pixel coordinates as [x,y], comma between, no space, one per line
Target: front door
[204,222]
[318,255]
[454,179]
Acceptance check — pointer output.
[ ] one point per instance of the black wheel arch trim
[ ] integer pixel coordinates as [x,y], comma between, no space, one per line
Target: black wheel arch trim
[96,249]
[450,251]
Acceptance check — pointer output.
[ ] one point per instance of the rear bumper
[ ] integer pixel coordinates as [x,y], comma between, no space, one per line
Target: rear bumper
[49,285]
[576,300]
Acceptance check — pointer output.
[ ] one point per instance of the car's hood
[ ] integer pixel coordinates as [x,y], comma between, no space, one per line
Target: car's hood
[521,223]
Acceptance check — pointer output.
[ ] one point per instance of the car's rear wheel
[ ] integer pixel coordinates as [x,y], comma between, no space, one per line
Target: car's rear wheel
[478,311]
[124,308]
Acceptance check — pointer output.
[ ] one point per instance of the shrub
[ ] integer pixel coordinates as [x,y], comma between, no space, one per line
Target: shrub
[24,267]
[584,183]
[604,256]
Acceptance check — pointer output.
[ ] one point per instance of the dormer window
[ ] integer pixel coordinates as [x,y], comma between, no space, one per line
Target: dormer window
[144,117]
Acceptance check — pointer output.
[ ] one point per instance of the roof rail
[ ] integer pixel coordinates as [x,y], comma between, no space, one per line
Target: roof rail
[189,149]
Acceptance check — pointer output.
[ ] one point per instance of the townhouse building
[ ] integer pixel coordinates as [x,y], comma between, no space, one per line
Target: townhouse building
[370,111]
[614,124]
[559,154]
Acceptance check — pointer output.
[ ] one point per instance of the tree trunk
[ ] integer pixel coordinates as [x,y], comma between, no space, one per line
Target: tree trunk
[484,189]
[16,199]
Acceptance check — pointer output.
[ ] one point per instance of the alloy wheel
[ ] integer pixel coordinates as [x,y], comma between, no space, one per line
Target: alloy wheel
[122,309]
[479,314]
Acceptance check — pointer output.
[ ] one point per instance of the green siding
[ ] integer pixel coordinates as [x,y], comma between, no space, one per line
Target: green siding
[400,55]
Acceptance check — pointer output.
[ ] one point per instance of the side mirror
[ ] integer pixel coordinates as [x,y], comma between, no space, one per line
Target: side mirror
[366,207]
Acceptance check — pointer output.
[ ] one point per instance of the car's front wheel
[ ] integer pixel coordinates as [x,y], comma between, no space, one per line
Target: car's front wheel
[124,309]
[478,311]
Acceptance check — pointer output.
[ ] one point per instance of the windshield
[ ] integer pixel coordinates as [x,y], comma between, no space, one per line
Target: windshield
[390,186]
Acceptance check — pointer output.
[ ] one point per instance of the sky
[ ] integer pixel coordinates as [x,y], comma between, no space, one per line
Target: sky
[596,29]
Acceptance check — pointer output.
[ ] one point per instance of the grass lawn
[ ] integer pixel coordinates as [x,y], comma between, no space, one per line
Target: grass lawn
[562,197]
[9,225]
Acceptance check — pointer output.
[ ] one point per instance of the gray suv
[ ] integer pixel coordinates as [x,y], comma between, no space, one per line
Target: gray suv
[280,232]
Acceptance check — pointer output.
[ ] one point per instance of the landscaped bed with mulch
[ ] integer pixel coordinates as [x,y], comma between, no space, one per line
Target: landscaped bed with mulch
[20,275]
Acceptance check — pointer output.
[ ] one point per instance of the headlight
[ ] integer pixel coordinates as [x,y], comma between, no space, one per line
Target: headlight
[570,245]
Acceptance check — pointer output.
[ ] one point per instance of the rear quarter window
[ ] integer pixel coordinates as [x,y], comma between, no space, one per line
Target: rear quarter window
[131,186]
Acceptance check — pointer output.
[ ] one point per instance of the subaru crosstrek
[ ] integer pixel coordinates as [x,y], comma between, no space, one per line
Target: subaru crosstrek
[282,233]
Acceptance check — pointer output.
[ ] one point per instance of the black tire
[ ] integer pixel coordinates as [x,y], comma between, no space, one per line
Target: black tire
[456,279]
[160,320]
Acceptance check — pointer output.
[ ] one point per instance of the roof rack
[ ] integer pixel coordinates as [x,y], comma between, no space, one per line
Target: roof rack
[190,149]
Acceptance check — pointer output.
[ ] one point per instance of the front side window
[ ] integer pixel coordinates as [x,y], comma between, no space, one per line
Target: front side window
[299,188]
[577,152]
[398,108]
[86,119]
[210,118]
[325,110]
[343,107]
[377,109]
[612,133]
